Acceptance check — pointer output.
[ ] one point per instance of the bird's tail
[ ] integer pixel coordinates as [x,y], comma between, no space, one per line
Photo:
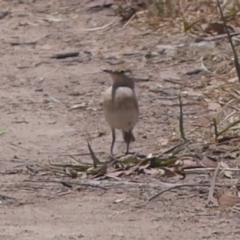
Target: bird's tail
[128,136]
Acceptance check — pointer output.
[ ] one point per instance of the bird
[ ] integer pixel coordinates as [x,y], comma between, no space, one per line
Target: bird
[120,106]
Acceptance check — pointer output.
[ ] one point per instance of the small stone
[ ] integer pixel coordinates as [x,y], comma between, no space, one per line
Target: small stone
[38,90]
[76,93]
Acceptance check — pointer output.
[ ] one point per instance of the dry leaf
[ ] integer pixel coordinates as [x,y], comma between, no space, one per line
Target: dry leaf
[119,200]
[115,175]
[51,18]
[144,167]
[130,171]
[218,28]
[99,4]
[152,171]
[224,171]
[207,162]
[202,122]
[213,106]
[78,106]
[189,163]
[169,172]
[227,198]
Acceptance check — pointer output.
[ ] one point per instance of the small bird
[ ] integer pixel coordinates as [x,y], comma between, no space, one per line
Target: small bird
[120,106]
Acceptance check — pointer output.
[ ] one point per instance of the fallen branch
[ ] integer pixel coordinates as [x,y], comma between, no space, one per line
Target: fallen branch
[181,186]
[23,43]
[68,183]
[4,197]
[105,184]
[175,187]
[217,37]
[102,27]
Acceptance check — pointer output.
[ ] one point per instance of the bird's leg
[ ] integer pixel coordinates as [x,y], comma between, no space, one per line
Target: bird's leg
[113,141]
[128,139]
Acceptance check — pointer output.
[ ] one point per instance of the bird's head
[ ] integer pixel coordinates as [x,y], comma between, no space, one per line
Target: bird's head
[121,77]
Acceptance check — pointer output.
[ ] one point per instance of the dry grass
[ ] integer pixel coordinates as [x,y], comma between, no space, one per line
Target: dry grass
[194,16]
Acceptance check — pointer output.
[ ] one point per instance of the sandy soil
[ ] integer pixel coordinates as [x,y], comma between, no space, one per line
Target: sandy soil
[36,96]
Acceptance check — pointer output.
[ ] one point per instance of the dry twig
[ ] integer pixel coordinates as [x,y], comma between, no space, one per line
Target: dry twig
[212,186]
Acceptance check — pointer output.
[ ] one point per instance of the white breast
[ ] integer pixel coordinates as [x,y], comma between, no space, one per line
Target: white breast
[122,113]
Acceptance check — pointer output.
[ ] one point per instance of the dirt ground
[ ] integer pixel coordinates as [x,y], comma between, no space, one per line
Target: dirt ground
[37,94]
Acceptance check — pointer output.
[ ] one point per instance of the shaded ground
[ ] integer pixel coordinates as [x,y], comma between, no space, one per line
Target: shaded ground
[36,96]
